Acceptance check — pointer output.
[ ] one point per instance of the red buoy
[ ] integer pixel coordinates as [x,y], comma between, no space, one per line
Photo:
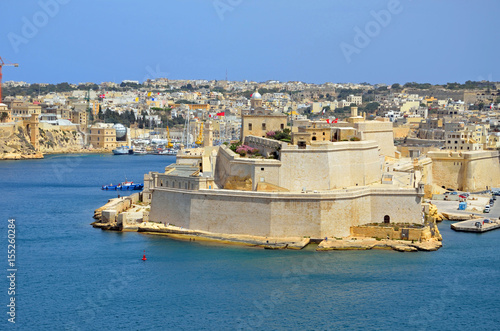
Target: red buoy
[144,256]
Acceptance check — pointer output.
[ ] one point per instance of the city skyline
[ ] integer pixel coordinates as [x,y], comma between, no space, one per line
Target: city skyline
[326,41]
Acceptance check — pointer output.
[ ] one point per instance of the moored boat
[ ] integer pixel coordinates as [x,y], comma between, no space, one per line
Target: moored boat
[128,186]
[123,150]
[140,151]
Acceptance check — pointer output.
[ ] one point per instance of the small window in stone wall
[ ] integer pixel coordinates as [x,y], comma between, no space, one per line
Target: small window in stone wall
[249,126]
[387,219]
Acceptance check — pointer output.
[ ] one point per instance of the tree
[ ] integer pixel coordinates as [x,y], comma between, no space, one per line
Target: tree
[372,106]
[396,86]
[4,116]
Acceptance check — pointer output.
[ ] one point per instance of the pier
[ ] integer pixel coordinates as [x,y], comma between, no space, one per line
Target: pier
[476,225]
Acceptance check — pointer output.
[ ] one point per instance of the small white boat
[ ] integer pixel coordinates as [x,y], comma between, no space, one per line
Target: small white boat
[140,151]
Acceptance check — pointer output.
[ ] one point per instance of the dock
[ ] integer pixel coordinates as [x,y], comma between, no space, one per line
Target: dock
[475,225]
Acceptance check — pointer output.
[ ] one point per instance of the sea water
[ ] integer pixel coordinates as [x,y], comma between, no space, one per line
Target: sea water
[72,276]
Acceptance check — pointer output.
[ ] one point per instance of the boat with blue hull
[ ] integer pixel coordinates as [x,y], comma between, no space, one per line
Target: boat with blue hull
[125,186]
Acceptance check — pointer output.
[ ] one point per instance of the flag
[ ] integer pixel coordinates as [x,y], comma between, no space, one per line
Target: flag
[221,114]
[209,115]
[324,110]
[328,121]
[336,120]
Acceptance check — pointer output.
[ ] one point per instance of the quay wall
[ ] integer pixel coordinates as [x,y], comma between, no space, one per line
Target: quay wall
[317,215]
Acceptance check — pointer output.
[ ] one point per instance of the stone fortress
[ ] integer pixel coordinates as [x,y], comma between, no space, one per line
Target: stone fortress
[328,179]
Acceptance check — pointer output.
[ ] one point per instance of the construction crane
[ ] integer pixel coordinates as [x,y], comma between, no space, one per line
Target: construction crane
[169,141]
[199,140]
[2,64]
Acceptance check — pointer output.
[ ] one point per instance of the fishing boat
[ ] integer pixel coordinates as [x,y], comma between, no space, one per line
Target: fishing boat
[123,150]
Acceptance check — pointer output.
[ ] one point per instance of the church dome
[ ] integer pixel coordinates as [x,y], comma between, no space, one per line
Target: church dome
[256,95]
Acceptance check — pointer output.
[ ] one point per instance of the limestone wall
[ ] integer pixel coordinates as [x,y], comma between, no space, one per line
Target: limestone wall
[467,171]
[324,166]
[316,215]
[381,132]
[265,146]
[330,166]
[235,172]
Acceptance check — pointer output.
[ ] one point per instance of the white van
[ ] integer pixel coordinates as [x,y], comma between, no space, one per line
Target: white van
[486,209]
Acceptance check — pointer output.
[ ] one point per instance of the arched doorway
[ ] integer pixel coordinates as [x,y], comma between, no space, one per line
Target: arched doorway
[387,219]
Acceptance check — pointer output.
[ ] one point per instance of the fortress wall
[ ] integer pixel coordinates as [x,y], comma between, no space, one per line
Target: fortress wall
[310,171]
[283,214]
[401,208]
[171,208]
[296,218]
[340,214]
[379,131]
[232,171]
[330,166]
[467,171]
[231,214]
[482,172]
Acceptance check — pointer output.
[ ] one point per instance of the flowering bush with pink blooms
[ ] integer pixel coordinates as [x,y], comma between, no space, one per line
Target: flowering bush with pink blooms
[270,134]
[244,150]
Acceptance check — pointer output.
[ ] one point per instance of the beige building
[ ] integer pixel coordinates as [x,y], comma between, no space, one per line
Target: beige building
[257,121]
[355,99]
[103,136]
[80,118]
[25,109]
[467,138]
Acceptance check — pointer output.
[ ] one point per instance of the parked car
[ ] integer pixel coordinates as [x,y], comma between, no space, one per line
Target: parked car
[486,209]
[454,193]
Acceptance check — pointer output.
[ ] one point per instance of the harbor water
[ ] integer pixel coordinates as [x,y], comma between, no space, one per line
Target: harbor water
[71,276]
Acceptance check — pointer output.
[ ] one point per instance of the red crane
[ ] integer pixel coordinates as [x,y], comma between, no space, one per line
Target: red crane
[2,64]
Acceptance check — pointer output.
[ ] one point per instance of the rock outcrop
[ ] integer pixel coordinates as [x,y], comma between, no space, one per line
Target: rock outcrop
[17,146]
[61,141]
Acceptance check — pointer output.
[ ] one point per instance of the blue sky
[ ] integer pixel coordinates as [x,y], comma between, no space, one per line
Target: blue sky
[314,41]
